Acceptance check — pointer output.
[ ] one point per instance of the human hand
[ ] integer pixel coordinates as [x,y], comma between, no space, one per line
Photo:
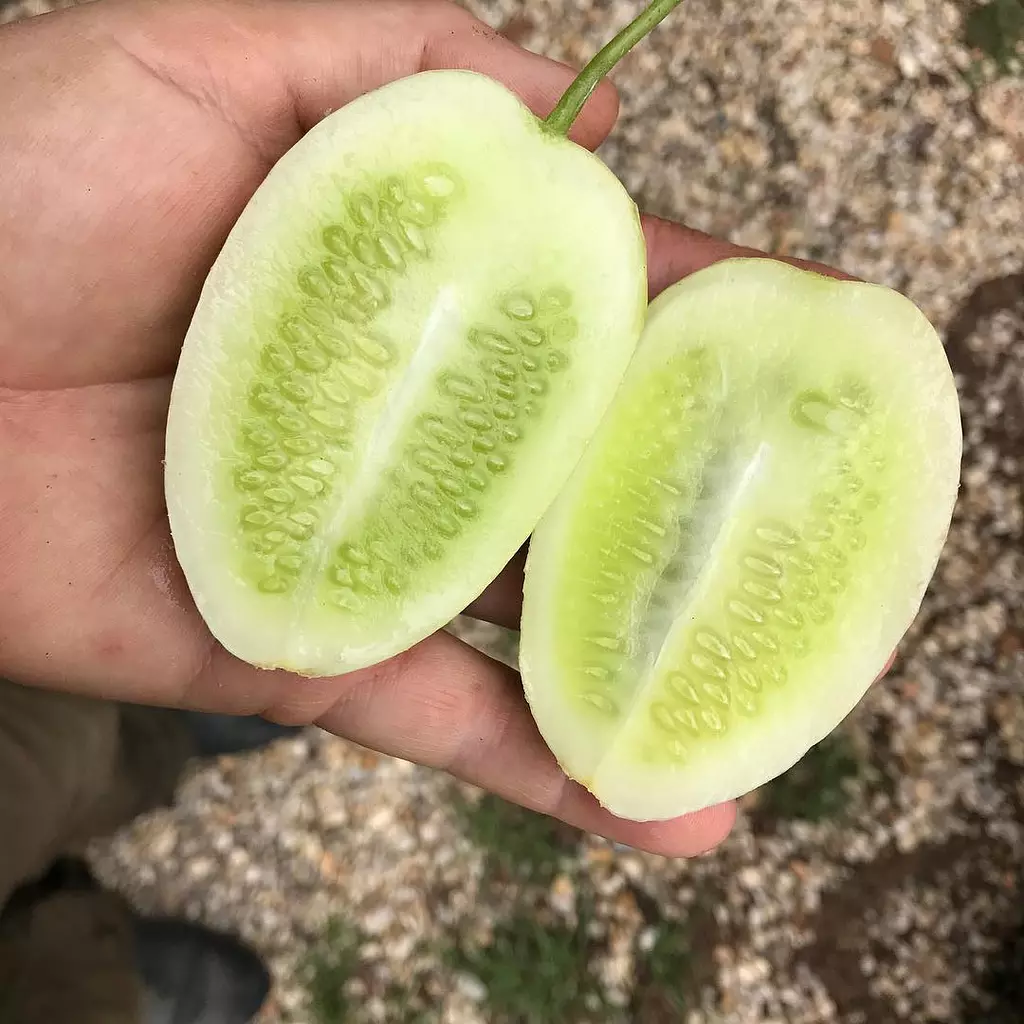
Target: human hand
[134,136]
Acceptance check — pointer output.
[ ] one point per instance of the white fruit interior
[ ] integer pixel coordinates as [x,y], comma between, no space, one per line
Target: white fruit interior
[634,646]
[528,212]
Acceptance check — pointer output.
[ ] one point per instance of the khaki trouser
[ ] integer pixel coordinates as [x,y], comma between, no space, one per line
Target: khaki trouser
[72,769]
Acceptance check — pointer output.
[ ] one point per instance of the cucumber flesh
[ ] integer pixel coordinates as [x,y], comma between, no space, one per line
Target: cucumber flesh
[400,353]
[746,539]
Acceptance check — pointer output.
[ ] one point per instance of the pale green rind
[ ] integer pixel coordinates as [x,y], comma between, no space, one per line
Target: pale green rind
[753,312]
[531,208]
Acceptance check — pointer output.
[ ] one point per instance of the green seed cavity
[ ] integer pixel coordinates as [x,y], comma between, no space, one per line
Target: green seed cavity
[773,604]
[320,363]
[468,437]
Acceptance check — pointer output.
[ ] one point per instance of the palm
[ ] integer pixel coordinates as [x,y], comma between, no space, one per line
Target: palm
[128,171]
[95,311]
[111,252]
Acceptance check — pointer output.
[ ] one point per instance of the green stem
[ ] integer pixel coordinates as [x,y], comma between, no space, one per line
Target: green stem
[568,108]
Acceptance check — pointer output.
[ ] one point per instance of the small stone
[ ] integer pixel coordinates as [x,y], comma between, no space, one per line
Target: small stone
[909,65]
[1010,644]
[238,858]
[378,921]
[749,972]
[401,949]
[368,759]
[381,819]
[750,878]
[600,854]
[356,988]
[562,895]
[1001,104]
[200,868]
[162,843]
[471,987]
[883,51]
[625,905]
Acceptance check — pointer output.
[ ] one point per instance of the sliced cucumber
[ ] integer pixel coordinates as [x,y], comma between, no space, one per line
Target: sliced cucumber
[746,539]
[411,333]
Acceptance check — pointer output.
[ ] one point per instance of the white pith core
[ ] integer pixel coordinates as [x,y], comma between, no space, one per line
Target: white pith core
[689,591]
[442,334]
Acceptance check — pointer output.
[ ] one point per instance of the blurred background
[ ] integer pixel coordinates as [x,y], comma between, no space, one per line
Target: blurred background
[880,880]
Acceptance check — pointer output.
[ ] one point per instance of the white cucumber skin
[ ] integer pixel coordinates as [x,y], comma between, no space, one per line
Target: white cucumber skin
[905,363]
[531,204]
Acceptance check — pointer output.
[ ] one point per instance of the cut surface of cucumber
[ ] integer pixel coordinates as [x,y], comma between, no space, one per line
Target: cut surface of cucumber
[745,540]
[408,338]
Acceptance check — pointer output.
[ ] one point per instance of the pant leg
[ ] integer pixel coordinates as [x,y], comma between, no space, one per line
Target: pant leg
[69,958]
[57,761]
[72,769]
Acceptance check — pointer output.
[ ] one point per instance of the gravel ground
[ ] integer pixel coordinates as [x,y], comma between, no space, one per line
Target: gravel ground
[856,132]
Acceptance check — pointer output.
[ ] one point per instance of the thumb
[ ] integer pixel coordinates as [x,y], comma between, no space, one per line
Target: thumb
[276,67]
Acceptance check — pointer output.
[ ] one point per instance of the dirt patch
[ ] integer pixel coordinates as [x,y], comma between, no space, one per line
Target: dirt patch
[672,977]
[979,877]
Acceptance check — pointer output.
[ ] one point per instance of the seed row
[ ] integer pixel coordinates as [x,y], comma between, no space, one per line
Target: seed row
[322,360]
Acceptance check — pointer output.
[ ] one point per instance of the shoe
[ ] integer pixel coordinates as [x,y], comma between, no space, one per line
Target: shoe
[187,974]
[213,735]
[194,975]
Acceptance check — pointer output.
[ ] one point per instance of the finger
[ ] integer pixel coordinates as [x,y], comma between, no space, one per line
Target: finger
[275,69]
[446,706]
[675,251]
[434,35]
[233,85]
[502,602]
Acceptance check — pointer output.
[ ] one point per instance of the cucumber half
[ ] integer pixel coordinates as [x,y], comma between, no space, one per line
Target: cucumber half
[400,353]
[746,539]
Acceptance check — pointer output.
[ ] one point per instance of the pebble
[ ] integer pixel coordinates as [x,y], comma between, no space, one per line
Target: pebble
[472,988]
[563,895]
[378,921]
[1001,104]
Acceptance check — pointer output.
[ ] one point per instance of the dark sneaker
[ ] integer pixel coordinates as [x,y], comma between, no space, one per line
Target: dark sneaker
[213,735]
[68,924]
[193,975]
